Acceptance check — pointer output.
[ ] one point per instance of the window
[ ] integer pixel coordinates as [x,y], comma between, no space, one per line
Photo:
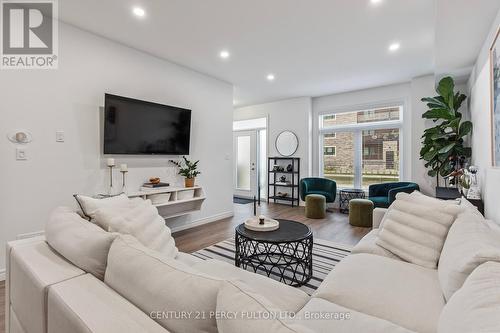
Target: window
[361,148]
[329,150]
[380,162]
[329,120]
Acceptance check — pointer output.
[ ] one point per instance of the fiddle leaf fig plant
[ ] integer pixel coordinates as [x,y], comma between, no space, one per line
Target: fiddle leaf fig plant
[443,144]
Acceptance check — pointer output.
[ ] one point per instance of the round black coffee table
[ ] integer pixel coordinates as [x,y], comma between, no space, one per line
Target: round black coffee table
[285,253]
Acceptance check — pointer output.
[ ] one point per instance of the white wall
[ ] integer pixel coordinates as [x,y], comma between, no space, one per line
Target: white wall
[480,111]
[70,99]
[291,114]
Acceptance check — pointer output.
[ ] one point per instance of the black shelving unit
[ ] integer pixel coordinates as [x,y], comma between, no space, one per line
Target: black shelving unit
[273,176]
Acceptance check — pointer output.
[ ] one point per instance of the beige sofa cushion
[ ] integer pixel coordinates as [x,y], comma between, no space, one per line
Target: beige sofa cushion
[251,312]
[14,324]
[405,294]
[32,268]
[81,242]
[414,232]
[368,244]
[85,304]
[476,306]
[284,297]
[470,242]
[188,259]
[341,320]
[141,220]
[378,216]
[160,285]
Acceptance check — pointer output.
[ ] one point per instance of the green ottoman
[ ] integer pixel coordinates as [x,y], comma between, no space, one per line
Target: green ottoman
[361,213]
[315,206]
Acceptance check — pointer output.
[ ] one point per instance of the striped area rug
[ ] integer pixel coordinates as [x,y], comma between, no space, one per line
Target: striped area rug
[325,256]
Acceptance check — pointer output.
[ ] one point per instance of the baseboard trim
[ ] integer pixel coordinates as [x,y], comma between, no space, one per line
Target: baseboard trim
[203,221]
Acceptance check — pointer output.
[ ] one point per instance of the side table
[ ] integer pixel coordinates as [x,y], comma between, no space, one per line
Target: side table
[346,195]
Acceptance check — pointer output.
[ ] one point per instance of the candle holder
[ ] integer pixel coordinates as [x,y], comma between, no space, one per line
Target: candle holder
[110,190]
[124,185]
[254,206]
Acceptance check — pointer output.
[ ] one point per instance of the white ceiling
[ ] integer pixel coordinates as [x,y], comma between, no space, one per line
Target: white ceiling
[314,47]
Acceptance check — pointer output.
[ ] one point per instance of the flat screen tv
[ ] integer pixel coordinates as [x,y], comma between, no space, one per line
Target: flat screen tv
[137,127]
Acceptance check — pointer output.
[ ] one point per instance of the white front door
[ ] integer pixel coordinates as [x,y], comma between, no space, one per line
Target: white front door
[245,163]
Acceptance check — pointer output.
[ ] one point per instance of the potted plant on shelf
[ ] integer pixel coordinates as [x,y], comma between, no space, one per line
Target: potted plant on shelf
[188,169]
[443,147]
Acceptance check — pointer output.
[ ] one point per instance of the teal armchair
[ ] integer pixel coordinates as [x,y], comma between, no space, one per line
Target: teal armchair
[383,195]
[323,186]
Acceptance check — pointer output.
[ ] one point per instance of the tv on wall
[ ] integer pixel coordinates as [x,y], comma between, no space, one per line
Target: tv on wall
[137,127]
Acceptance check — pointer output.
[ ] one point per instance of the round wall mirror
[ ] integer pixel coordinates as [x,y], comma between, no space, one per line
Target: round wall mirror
[287,143]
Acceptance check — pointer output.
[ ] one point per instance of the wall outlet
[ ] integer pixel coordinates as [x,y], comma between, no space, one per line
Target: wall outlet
[59,136]
[21,154]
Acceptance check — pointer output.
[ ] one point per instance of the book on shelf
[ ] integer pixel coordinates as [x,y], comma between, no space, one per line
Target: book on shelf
[155,186]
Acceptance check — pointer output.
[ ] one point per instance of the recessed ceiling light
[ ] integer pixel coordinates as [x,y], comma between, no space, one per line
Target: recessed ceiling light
[138,11]
[270,77]
[375,2]
[224,54]
[394,47]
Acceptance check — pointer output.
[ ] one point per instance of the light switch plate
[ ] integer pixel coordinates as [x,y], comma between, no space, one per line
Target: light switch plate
[59,136]
[21,154]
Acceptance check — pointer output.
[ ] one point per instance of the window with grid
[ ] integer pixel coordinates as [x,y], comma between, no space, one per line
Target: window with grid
[361,148]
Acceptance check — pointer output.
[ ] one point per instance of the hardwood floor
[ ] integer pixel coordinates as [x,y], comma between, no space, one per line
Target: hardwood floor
[335,227]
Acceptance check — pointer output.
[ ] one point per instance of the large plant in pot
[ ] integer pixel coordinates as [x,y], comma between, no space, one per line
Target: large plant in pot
[443,147]
[188,169]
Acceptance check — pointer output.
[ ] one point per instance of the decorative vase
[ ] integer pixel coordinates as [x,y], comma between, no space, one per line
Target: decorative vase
[189,182]
[465,191]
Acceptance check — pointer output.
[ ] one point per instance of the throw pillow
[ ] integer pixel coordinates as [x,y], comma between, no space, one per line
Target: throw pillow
[79,241]
[470,243]
[468,206]
[163,287]
[89,206]
[418,197]
[422,199]
[141,220]
[414,232]
[476,306]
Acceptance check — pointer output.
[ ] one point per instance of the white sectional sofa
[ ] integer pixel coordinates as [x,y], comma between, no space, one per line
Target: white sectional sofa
[142,290]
